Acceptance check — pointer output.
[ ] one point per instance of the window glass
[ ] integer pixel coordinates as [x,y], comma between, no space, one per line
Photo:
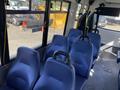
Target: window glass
[109,22]
[55,5]
[24,30]
[57,23]
[38,5]
[64,6]
[18,5]
[58,19]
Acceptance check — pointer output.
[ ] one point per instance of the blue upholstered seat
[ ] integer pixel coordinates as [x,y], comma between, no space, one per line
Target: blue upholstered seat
[96,41]
[80,82]
[81,55]
[58,43]
[72,36]
[25,71]
[57,76]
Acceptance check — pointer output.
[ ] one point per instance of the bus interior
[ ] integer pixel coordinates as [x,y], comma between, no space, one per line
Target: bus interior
[60,45]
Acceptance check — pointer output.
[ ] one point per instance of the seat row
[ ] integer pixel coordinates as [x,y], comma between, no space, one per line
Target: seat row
[65,43]
[25,73]
[62,71]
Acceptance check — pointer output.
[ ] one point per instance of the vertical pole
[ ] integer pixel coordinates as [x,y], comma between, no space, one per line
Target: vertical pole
[30,5]
[4,50]
[61,3]
[68,13]
[46,22]
[97,20]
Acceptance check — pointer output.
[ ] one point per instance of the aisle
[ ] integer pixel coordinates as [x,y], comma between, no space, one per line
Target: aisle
[104,75]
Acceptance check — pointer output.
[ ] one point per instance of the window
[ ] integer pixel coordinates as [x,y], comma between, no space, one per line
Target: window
[65,6]
[24,30]
[38,5]
[27,29]
[55,5]
[18,5]
[57,20]
[57,23]
[59,6]
[109,22]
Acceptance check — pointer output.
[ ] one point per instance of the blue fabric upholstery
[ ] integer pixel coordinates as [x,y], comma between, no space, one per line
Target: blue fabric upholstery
[80,81]
[81,55]
[56,76]
[96,41]
[25,71]
[59,43]
[6,88]
[72,36]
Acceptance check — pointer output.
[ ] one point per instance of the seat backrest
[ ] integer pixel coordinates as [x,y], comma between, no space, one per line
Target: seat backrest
[73,34]
[25,71]
[96,41]
[61,72]
[29,57]
[59,40]
[81,55]
[58,43]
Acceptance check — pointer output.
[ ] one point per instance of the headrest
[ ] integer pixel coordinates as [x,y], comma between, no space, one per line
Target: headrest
[74,32]
[59,40]
[58,70]
[65,55]
[28,56]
